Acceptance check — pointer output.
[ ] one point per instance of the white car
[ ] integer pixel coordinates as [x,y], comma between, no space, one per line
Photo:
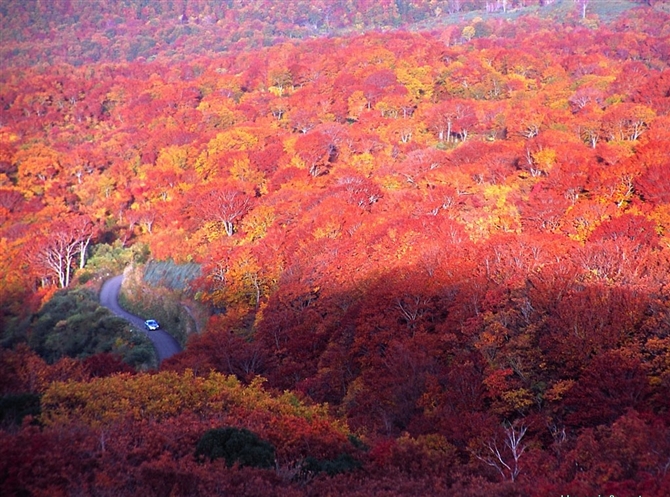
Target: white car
[151,324]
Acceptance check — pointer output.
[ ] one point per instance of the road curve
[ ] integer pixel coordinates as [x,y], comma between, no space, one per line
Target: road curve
[165,345]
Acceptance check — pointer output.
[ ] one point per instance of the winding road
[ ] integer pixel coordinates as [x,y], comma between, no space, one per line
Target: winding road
[165,345]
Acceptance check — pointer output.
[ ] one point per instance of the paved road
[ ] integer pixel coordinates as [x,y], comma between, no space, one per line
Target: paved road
[165,345]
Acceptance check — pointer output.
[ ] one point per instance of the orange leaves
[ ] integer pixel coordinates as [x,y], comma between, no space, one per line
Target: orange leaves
[255,225]
[247,280]
[241,278]
[38,166]
[218,111]
[626,121]
[526,119]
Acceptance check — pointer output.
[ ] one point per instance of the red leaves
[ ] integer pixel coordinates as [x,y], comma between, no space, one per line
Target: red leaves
[627,227]
[452,120]
[590,321]
[611,384]
[653,184]
[359,191]
[223,351]
[10,199]
[222,203]
[317,150]
[377,84]
[106,364]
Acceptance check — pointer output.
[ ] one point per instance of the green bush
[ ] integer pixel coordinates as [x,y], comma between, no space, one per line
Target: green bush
[112,259]
[73,324]
[341,464]
[236,445]
[84,277]
[13,408]
[141,355]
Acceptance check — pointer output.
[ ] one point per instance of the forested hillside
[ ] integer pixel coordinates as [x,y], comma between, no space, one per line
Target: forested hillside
[424,245]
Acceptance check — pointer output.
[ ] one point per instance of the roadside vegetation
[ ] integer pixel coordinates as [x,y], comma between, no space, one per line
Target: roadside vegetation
[157,291]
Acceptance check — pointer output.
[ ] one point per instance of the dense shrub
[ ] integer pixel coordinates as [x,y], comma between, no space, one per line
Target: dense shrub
[73,324]
[236,445]
[13,408]
[343,463]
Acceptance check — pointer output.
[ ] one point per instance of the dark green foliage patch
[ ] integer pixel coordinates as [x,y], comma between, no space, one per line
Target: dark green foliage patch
[236,445]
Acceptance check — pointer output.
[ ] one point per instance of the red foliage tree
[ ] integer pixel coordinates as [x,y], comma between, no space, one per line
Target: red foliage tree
[317,150]
[612,383]
[222,203]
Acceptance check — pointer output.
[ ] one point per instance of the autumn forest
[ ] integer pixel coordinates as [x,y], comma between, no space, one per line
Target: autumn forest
[409,247]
